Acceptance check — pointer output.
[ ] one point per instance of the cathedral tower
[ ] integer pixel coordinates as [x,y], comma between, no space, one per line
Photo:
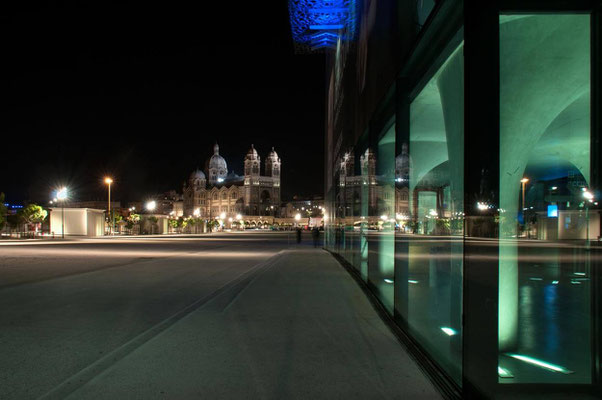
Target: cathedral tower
[252,163]
[272,165]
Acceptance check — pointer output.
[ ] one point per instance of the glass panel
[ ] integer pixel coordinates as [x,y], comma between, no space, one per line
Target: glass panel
[430,208]
[544,271]
[378,171]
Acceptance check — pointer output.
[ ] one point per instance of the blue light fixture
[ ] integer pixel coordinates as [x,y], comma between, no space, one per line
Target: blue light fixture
[319,24]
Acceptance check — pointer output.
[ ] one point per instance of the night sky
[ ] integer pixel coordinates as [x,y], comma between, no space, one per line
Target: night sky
[141,92]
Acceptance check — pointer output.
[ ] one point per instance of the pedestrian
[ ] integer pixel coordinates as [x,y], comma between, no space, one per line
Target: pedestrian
[298,235]
[315,234]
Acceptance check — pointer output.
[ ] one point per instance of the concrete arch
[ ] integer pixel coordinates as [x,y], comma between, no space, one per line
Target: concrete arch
[544,68]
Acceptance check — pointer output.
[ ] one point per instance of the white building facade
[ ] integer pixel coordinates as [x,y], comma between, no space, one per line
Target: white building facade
[217,192]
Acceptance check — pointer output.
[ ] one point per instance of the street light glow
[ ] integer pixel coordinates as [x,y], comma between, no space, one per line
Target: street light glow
[297,217]
[151,205]
[62,194]
[108,180]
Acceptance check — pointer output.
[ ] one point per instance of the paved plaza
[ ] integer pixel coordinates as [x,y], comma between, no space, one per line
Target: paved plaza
[250,315]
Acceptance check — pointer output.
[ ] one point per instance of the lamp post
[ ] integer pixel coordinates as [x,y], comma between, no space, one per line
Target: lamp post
[61,195]
[589,198]
[108,181]
[150,206]
[523,183]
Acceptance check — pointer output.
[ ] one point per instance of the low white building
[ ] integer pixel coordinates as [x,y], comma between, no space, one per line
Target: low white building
[77,221]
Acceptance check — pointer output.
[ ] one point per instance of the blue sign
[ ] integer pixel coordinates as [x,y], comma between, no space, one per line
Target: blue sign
[552,211]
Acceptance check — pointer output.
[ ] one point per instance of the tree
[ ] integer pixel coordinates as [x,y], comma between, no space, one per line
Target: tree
[213,224]
[131,220]
[33,214]
[182,223]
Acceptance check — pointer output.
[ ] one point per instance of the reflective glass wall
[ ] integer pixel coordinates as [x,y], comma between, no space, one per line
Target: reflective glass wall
[381,215]
[481,236]
[545,197]
[433,214]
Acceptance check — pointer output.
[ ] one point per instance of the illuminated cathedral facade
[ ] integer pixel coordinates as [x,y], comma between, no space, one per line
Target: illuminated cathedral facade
[216,192]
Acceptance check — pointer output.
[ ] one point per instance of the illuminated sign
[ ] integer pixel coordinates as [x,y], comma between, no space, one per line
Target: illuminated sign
[553,211]
[319,24]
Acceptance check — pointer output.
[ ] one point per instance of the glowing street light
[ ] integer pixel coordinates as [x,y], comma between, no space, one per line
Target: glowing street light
[108,181]
[61,195]
[523,183]
[151,205]
[588,196]
[482,206]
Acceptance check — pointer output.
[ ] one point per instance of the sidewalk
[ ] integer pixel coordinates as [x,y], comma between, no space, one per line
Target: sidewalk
[298,327]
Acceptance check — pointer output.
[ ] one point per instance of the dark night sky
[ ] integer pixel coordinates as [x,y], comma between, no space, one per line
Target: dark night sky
[142,91]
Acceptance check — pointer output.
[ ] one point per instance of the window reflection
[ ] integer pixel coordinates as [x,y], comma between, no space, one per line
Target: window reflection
[435,213]
[544,222]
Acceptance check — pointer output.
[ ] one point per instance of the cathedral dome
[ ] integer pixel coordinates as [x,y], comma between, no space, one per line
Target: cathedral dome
[198,174]
[252,154]
[273,155]
[217,167]
[216,161]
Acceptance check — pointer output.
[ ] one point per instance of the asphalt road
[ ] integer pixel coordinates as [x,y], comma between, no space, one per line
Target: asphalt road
[248,315]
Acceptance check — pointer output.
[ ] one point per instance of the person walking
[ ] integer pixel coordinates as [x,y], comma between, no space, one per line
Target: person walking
[298,235]
[315,234]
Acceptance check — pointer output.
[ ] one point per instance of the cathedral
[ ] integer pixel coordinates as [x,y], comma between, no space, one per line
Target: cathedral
[215,191]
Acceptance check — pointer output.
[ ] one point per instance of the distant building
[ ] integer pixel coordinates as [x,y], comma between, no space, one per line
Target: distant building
[77,221]
[213,192]
[96,204]
[312,207]
[167,203]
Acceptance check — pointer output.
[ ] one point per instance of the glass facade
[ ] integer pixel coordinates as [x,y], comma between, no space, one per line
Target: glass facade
[544,281]
[469,203]
[435,214]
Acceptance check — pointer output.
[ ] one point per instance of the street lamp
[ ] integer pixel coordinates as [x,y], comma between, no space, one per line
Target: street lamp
[151,205]
[523,183]
[589,197]
[108,181]
[62,195]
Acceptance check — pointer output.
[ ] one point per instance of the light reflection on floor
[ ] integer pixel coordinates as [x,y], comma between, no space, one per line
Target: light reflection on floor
[554,300]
